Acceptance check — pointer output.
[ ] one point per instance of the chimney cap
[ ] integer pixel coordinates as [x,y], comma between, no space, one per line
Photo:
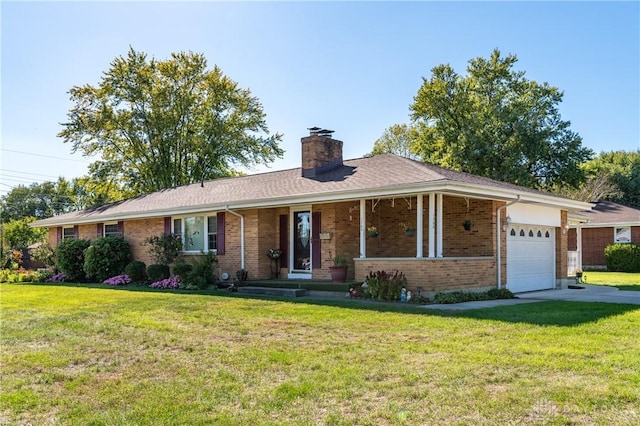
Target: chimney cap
[325,132]
[314,130]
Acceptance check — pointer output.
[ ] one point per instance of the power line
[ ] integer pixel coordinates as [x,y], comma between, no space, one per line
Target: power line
[46,156]
[26,173]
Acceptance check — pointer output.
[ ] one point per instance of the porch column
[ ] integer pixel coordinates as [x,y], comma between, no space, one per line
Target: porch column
[432,223]
[419,236]
[363,228]
[439,226]
[579,245]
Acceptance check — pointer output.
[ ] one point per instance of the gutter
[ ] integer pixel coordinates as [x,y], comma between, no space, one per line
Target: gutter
[498,239]
[241,234]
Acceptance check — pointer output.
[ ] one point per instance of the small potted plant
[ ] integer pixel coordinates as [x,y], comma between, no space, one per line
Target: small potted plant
[339,269]
[467,224]
[408,231]
[373,231]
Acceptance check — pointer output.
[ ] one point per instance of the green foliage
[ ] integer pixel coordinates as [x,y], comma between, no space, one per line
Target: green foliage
[622,169]
[398,139]
[623,257]
[202,272]
[106,257]
[18,234]
[339,261]
[383,285]
[45,254]
[165,248]
[22,276]
[472,296]
[182,269]
[160,124]
[70,258]
[493,122]
[158,272]
[137,271]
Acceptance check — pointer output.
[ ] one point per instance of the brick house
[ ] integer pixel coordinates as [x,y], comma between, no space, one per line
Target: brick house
[593,230]
[325,208]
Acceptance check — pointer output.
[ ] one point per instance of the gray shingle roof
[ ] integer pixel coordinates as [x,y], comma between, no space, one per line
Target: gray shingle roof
[364,175]
[607,212]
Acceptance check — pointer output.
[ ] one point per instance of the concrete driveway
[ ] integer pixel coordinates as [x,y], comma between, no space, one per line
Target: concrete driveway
[590,293]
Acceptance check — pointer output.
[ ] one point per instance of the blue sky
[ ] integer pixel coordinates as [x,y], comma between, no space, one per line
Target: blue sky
[353,67]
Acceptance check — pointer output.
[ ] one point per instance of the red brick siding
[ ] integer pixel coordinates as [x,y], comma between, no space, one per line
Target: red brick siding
[435,275]
[562,258]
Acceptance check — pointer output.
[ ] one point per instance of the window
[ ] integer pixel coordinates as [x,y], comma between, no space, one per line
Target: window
[198,233]
[212,232]
[111,230]
[622,235]
[68,232]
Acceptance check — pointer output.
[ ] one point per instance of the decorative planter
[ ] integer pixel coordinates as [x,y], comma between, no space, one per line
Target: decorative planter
[338,273]
[467,225]
[373,235]
[410,232]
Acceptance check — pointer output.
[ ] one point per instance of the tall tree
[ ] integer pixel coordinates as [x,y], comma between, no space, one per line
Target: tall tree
[396,139]
[622,168]
[159,124]
[494,122]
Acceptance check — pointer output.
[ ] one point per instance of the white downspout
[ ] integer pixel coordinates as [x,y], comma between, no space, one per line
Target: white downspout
[499,229]
[241,235]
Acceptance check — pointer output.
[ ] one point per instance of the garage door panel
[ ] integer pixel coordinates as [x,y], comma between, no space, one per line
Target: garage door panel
[530,258]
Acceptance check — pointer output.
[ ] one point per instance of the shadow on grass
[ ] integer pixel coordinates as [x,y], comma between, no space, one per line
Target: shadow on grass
[544,313]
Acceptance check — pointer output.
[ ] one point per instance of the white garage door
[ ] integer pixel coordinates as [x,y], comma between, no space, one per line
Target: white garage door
[530,258]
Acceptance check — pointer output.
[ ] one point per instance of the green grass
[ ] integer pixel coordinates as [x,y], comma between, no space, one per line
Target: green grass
[622,280]
[106,356]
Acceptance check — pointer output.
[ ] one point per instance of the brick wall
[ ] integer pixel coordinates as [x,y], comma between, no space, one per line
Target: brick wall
[435,275]
[562,246]
[594,241]
[136,231]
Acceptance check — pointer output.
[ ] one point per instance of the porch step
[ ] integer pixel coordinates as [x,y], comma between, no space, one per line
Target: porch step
[271,291]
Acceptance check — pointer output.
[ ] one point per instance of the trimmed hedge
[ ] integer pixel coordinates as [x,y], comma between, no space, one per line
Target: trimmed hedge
[137,271]
[107,257]
[470,296]
[623,257]
[158,272]
[70,258]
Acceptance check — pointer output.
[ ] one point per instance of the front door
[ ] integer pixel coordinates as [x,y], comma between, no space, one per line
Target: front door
[301,242]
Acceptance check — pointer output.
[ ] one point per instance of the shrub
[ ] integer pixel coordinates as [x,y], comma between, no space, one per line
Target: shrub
[164,248]
[57,278]
[45,254]
[137,271]
[158,272]
[172,282]
[106,257]
[182,269]
[500,293]
[118,280]
[623,257]
[204,267]
[386,286]
[70,258]
[471,296]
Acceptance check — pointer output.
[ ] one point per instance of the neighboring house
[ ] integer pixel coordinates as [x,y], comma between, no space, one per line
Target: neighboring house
[325,208]
[607,223]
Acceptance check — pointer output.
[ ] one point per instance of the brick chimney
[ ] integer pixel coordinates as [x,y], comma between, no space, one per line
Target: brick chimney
[320,152]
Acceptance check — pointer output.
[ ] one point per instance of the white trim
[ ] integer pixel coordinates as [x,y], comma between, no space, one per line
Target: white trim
[299,276]
[292,211]
[448,188]
[432,223]
[439,226]
[419,225]
[363,228]
[205,236]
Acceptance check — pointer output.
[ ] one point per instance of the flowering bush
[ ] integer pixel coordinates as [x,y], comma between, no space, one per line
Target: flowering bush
[57,278]
[274,253]
[171,282]
[118,280]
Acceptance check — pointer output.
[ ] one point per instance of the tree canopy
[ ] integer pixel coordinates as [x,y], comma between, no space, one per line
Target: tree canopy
[397,139]
[494,122]
[622,168]
[159,124]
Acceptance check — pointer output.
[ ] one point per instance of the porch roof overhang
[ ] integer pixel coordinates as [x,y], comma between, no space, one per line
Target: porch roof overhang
[444,186]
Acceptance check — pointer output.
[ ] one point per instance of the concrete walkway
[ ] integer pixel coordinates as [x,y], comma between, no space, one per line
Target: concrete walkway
[590,293]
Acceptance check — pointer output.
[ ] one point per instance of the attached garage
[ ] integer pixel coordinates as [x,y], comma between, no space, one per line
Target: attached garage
[530,258]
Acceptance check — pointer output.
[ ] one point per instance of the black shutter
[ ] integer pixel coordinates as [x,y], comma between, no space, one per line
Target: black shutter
[167,225]
[99,230]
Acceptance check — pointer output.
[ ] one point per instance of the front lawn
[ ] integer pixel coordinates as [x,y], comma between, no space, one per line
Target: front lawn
[78,355]
[622,280]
